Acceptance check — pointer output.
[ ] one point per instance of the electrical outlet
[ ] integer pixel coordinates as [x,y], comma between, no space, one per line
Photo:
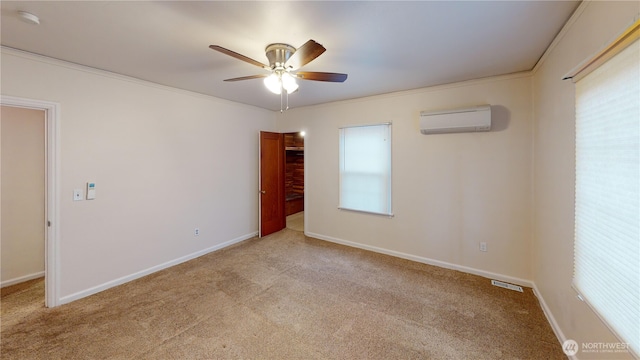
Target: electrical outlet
[196,231]
[483,246]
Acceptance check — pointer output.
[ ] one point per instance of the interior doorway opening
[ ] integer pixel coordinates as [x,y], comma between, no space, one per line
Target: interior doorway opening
[23,223]
[294,173]
[294,180]
[50,220]
[281,182]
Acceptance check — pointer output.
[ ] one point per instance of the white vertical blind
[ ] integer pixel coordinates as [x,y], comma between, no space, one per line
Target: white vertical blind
[365,168]
[607,223]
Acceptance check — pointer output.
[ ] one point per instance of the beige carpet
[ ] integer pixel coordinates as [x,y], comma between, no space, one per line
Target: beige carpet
[296,221]
[284,296]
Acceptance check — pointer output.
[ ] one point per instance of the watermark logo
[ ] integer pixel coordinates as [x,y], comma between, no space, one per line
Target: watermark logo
[570,347]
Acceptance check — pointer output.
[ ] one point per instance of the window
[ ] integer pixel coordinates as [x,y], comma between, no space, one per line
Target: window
[365,169]
[607,217]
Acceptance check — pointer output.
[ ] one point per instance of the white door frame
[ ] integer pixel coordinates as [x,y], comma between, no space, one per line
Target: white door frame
[259,185]
[52,191]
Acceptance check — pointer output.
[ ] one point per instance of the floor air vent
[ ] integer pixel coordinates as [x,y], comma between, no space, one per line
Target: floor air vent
[506,285]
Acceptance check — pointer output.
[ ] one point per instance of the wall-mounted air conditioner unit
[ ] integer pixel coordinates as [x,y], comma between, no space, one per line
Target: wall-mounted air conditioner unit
[473,119]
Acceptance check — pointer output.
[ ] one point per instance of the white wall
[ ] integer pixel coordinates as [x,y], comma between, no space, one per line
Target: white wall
[23,188]
[595,24]
[164,164]
[450,191]
[164,161]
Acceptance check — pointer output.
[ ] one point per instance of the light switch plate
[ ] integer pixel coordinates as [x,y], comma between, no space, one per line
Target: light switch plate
[77,194]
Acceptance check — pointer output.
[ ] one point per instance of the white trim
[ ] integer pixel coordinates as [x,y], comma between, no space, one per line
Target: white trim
[52,234]
[551,319]
[260,184]
[565,29]
[389,215]
[99,72]
[426,89]
[108,74]
[424,260]
[365,125]
[125,279]
[21,279]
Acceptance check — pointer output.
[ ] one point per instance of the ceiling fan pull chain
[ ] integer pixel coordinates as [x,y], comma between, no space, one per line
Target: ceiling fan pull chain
[281,102]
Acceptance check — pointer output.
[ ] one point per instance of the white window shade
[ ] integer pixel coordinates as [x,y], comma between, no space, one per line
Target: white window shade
[607,216]
[365,169]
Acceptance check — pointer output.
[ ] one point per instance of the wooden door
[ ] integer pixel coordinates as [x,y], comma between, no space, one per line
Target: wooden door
[272,163]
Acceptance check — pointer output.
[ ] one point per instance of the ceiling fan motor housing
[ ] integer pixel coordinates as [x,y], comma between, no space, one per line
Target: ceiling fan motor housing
[278,54]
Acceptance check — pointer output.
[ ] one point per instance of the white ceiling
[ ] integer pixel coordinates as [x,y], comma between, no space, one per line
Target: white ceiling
[383,46]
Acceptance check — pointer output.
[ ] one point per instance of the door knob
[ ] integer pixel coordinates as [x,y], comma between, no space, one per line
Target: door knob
[262,192]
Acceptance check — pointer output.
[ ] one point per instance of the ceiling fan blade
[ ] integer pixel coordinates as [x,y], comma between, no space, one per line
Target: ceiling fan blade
[305,54]
[321,76]
[239,56]
[248,77]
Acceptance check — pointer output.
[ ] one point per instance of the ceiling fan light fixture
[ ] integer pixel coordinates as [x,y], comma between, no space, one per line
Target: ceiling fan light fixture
[272,82]
[289,82]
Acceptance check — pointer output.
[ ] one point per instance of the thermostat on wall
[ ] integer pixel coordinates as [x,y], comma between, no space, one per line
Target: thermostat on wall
[91,191]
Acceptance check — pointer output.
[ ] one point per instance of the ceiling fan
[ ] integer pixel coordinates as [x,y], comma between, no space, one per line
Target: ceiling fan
[284,61]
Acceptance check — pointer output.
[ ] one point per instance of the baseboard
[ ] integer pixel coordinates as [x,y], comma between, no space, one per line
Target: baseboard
[139,274]
[21,279]
[424,260]
[551,319]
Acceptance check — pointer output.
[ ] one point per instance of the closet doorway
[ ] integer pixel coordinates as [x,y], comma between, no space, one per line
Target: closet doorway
[281,193]
[294,180]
